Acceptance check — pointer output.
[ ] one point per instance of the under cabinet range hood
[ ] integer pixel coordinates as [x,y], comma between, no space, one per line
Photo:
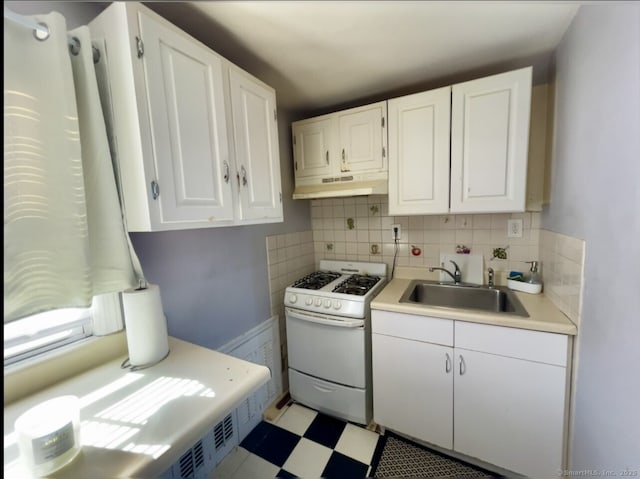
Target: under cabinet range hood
[341,187]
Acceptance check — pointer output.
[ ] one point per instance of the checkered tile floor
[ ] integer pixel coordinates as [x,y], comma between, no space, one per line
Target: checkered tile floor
[302,443]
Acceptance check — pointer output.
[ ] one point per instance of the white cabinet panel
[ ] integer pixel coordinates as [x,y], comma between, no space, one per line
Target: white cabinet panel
[361,138]
[419,139]
[256,147]
[489,143]
[413,388]
[510,412]
[313,147]
[188,129]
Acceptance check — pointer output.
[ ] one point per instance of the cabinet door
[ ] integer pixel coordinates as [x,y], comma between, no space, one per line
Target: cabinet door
[413,388]
[419,132]
[256,146]
[362,138]
[509,412]
[187,128]
[313,147]
[489,143]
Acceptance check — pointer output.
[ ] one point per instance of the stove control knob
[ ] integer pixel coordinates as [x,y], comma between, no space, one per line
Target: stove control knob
[337,305]
[293,298]
[308,301]
[318,302]
[327,303]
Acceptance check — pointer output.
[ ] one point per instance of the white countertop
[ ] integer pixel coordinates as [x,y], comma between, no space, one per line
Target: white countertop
[200,387]
[543,314]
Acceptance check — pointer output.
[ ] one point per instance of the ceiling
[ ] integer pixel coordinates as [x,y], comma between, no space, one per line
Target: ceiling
[321,55]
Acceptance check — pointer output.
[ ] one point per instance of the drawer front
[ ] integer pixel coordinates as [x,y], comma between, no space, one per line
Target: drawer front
[351,404]
[412,326]
[549,348]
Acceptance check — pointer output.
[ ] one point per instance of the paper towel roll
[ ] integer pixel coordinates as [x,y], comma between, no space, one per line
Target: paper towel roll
[146,326]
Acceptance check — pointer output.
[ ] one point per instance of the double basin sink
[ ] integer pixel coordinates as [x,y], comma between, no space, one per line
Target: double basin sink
[496,299]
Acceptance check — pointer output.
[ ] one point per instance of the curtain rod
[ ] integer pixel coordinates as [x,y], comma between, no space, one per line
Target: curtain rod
[41,32]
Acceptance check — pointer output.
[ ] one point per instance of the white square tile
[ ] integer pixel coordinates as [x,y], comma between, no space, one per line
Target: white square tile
[357,443]
[296,419]
[308,459]
[230,464]
[255,466]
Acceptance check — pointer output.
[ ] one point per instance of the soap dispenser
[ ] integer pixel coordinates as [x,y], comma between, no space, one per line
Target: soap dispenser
[534,275]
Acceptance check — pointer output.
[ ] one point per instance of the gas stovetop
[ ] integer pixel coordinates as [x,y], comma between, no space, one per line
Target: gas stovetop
[340,288]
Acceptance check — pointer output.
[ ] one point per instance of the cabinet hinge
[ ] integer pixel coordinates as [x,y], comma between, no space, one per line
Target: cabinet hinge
[139,47]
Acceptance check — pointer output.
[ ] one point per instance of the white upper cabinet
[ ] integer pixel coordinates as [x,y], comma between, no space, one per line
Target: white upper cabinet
[490,142]
[419,152]
[313,147]
[342,153]
[256,147]
[361,137]
[171,123]
[461,149]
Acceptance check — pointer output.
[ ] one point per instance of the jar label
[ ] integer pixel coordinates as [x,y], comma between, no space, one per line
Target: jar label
[47,448]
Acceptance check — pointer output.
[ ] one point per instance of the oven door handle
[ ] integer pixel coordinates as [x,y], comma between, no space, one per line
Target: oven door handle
[313,318]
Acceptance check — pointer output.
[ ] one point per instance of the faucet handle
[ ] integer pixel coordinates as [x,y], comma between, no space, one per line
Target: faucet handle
[457,273]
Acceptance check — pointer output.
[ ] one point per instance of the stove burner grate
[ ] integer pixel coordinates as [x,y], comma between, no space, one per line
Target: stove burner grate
[316,280]
[356,284]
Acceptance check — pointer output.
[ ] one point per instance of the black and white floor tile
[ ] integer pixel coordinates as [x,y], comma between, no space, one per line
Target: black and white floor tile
[304,443]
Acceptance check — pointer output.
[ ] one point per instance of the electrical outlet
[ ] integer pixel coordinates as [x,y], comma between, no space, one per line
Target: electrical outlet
[396,233]
[514,228]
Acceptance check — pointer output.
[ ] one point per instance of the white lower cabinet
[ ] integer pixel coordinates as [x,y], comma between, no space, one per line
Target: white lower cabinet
[495,393]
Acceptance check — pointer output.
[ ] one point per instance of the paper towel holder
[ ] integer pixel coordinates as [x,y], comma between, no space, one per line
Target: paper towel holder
[126,364]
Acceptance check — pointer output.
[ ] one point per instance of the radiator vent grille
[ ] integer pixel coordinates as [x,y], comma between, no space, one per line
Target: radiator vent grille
[223,432]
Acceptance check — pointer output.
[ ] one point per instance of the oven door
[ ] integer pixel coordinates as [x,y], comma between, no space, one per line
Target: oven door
[327,347]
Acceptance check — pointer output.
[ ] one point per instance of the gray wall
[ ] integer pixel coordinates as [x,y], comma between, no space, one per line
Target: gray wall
[214,282]
[595,196]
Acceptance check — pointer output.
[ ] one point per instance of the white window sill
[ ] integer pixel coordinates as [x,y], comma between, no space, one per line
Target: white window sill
[31,375]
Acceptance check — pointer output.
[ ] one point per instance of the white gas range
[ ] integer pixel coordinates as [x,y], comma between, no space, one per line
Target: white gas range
[328,319]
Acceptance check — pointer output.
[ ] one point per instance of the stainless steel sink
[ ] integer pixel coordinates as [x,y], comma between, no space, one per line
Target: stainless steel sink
[498,299]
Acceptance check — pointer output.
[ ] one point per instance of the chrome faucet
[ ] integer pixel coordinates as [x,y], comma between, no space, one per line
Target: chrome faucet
[491,283]
[456,275]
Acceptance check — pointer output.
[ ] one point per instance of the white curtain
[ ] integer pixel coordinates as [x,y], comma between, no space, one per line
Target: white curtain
[64,239]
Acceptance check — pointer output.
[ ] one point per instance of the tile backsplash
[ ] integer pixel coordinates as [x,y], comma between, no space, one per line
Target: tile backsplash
[360,229]
[563,271]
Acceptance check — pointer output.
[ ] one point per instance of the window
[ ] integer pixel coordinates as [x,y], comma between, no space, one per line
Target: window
[33,335]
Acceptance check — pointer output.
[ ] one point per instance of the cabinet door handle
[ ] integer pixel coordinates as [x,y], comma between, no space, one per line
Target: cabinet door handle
[155,189]
[226,172]
[327,155]
[463,366]
[244,176]
[447,364]
[343,159]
